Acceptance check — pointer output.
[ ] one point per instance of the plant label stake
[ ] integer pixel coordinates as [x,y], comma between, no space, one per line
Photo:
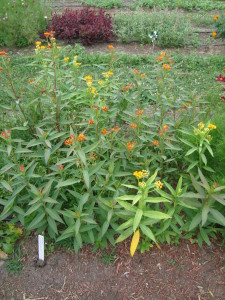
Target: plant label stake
[41,251]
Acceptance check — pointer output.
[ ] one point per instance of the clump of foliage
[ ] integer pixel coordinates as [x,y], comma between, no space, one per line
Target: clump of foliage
[174,28]
[88,25]
[97,159]
[103,3]
[185,4]
[219,24]
[21,22]
[9,234]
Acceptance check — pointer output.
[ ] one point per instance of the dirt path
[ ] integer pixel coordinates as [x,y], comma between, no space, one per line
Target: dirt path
[174,273]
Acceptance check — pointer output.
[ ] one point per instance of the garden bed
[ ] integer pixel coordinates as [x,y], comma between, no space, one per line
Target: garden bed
[176,272]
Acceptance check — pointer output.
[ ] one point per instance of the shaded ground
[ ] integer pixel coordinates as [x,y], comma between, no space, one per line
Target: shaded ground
[175,272]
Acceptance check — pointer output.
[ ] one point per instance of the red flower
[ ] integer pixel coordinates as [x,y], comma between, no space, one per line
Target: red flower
[91,122]
[220,78]
[59,167]
[21,169]
[223,98]
[43,91]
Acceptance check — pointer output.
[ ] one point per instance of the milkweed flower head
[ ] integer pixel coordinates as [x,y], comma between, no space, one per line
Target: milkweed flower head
[158,184]
[138,174]
[130,146]
[81,137]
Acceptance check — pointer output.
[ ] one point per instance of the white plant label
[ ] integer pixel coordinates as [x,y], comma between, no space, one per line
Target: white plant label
[41,247]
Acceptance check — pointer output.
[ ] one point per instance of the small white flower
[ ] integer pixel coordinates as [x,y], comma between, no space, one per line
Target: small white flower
[45,17]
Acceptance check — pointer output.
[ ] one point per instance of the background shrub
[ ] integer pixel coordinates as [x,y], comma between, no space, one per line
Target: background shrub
[174,28]
[21,22]
[89,25]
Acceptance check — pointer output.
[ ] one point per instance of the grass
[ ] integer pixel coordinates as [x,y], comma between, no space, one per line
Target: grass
[14,264]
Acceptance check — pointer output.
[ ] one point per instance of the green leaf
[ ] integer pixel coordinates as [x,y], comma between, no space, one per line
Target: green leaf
[47,155]
[6,186]
[54,215]
[156,215]
[156,200]
[127,206]
[205,212]
[137,219]
[36,221]
[86,179]
[82,156]
[125,225]
[105,227]
[204,181]
[217,215]
[192,165]
[197,186]
[33,208]
[205,236]
[195,221]
[67,183]
[136,199]
[125,235]
[6,168]
[191,151]
[147,231]
[52,225]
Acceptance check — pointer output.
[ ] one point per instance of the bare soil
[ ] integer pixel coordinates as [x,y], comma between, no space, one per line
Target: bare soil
[174,273]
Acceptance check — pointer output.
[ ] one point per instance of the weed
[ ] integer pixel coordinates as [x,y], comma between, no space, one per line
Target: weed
[13,264]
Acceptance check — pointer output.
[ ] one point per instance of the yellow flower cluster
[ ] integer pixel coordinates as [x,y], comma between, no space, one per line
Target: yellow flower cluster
[142,184]
[141,174]
[88,80]
[158,184]
[138,174]
[107,74]
[77,64]
[94,91]
[203,130]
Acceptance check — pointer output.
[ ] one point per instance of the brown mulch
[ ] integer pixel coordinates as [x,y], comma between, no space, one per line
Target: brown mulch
[174,273]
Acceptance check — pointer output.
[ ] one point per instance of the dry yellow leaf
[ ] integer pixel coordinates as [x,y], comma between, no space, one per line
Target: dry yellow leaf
[134,242]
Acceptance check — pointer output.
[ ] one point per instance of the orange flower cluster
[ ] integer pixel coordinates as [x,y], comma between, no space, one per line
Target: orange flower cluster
[91,122]
[130,146]
[160,58]
[214,34]
[143,75]
[136,71]
[31,80]
[155,143]
[105,108]
[133,126]
[116,128]
[165,128]
[111,48]
[139,112]
[186,104]
[69,141]
[3,53]
[166,67]
[43,91]
[1,69]
[216,17]
[49,34]
[6,134]
[127,87]
[81,137]
[104,131]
